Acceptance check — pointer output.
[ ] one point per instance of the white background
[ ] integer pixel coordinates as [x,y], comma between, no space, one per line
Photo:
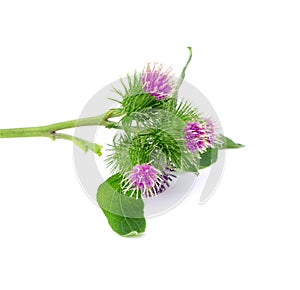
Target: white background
[54,55]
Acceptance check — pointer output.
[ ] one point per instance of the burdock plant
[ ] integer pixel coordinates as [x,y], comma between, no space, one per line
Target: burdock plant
[158,135]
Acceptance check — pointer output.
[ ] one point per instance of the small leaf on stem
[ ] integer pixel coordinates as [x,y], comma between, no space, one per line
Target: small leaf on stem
[229,144]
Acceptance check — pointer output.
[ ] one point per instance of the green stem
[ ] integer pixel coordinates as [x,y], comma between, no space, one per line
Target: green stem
[47,131]
[81,143]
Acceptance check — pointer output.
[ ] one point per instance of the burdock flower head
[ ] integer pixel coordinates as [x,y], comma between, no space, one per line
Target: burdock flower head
[148,180]
[199,136]
[142,178]
[156,82]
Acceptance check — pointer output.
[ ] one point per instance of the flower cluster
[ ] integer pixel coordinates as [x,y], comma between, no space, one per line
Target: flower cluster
[148,181]
[145,180]
[156,82]
[153,123]
[199,136]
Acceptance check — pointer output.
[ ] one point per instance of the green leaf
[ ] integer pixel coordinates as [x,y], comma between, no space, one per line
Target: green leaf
[125,215]
[229,144]
[209,157]
[189,162]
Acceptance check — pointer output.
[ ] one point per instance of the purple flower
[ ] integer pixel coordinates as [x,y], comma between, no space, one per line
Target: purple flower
[148,180]
[156,82]
[199,136]
[143,176]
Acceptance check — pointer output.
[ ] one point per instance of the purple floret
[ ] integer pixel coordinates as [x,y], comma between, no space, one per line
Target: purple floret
[199,136]
[157,83]
[143,176]
[148,181]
